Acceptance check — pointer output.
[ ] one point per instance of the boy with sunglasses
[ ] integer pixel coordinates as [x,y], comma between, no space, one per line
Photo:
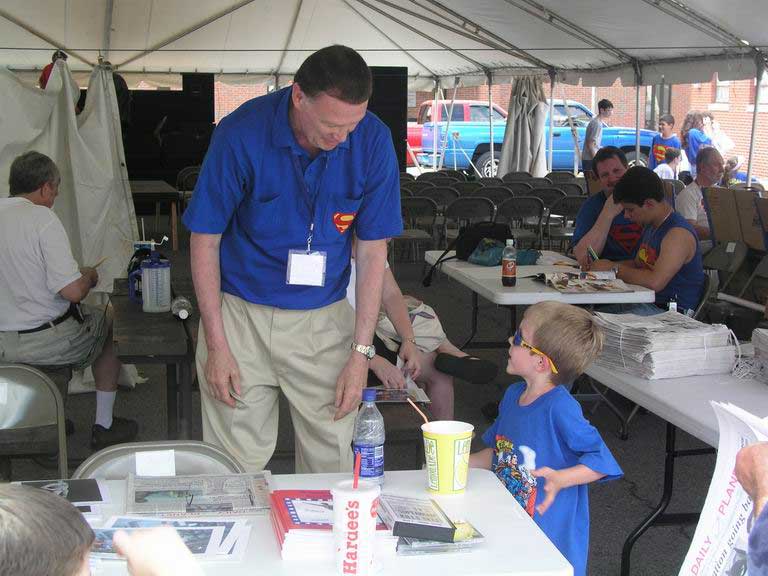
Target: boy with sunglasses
[541,446]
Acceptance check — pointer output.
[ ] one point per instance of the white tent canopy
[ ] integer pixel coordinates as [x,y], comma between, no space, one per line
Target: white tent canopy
[595,41]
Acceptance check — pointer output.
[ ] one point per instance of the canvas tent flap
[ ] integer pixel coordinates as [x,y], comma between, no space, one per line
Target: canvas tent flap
[94,202]
[591,40]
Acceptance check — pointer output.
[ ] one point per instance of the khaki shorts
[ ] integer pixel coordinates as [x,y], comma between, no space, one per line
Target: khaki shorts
[300,352]
[67,344]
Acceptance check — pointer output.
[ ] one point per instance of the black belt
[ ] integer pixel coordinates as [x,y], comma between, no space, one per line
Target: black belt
[72,311]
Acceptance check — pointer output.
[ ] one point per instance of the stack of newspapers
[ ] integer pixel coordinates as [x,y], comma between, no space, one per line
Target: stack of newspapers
[667,345]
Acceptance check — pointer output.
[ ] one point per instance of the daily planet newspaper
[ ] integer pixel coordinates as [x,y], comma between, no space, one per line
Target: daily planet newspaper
[719,546]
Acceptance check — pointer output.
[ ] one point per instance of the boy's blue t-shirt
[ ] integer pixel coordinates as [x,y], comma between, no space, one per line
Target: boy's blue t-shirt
[553,432]
[623,237]
[696,139]
[659,147]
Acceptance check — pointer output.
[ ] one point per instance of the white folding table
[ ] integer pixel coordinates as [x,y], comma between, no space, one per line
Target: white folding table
[513,542]
[683,403]
[486,282]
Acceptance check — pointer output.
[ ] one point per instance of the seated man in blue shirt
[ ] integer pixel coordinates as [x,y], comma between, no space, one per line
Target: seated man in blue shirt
[600,224]
[287,180]
[668,258]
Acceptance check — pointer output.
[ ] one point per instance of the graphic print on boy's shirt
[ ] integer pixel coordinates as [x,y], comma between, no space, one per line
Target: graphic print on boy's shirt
[515,475]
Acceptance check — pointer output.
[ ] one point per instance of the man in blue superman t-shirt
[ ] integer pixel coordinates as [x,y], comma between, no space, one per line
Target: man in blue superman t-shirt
[600,224]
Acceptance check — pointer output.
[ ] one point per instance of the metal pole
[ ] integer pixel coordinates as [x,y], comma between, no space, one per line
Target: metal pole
[637,123]
[435,129]
[551,118]
[490,121]
[444,145]
[760,65]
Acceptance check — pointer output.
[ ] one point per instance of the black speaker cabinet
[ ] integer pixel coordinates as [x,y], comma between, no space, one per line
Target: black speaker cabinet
[389,102]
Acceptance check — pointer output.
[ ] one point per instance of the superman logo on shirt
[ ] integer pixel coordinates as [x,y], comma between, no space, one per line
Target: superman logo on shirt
[342,220]
[659,151]
[647,256]
[626,235]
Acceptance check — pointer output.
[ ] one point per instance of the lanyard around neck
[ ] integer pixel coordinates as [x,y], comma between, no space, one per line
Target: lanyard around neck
[309,198]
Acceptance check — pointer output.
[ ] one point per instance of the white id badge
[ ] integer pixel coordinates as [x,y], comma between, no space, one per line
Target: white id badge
[306,268]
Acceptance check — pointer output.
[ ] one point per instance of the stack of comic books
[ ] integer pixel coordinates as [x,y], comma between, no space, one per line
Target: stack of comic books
[303,524]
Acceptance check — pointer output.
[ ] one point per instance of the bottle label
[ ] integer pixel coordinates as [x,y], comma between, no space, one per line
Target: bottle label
[371,459]
[509,268]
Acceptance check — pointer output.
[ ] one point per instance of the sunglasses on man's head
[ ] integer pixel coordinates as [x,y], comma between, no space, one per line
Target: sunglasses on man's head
[518,340]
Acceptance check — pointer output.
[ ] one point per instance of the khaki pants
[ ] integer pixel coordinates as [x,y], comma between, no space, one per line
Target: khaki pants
[300,351]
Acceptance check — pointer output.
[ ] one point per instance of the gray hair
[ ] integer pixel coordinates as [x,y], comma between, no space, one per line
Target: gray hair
[41,534]
[30,171]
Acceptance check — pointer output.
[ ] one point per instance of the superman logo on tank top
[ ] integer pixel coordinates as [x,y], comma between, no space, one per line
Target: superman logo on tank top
[647,256]
[626,235]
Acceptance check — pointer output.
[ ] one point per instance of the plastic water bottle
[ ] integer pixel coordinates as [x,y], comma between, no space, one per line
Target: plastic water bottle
[509,264]
[368,439]
[181,307]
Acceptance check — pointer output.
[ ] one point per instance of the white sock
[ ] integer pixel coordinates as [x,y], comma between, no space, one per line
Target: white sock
[104,403]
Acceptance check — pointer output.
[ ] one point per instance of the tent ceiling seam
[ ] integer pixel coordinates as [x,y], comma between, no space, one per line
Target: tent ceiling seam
[288,38]
[364,18]
[415,30]
[564,25]
[519,53]
[186,32]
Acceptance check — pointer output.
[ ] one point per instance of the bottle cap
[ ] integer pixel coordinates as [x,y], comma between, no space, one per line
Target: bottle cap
[183,314]
[369,395]
[510,241]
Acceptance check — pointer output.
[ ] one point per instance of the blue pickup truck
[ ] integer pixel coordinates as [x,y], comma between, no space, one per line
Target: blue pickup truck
[469,135]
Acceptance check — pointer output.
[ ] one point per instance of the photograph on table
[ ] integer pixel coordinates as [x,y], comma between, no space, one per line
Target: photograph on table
[200,541]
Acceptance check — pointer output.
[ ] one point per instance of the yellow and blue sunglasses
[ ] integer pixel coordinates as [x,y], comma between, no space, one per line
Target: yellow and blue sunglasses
[517,340]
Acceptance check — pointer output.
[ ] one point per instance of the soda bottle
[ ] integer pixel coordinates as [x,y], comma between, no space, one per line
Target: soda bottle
[509,264]
[368,439]
[181,307]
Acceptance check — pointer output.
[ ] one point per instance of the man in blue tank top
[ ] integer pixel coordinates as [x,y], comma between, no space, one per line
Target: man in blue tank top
[668,258]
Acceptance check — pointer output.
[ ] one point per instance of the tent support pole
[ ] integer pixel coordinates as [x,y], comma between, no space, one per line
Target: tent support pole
[435,127]
[490,121]
[551,135]
[444,143]
[637,122]
[760,65]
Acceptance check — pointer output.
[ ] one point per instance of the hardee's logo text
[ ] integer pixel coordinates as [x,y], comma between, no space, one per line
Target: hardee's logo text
[342,220]
[351,541]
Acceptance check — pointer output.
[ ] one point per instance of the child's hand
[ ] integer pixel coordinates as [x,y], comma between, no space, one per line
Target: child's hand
[554,482]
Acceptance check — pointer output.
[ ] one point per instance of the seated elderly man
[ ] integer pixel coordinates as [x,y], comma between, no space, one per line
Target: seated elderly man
[668,259]
[41,320]
[690,201]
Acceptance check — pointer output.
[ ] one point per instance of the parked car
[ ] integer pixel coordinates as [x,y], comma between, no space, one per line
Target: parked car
[469,135]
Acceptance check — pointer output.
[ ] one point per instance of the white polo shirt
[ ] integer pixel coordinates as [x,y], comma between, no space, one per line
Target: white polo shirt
[690,204]
[35,263]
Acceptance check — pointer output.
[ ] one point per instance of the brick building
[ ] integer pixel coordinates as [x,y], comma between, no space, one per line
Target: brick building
[731,104]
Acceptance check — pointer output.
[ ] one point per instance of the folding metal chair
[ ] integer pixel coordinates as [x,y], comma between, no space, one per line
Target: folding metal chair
[457,174]
[407,176]
[496,194]
[519,210]
[516,176]
[518,188]
[561,176]
[429,176]
[441,195]
[466,210]
[419,215]
[466,188]
[539,182]
[31,417]
[548,195]
[191,457]
[570,188]
[416,186]
[565,210]
[491,181]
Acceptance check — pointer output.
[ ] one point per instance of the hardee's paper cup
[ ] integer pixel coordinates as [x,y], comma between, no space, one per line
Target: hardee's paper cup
[446,450]
[354,526]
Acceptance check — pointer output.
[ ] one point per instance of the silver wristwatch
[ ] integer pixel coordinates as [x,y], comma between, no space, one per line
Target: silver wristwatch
[367,351]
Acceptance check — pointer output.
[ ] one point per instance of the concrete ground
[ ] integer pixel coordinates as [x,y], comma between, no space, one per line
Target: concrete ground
[616,507]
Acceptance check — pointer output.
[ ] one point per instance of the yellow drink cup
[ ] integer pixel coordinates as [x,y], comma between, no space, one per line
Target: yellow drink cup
[446,450]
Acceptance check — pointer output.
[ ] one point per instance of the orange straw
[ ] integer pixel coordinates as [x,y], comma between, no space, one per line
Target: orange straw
[357,471]
[426,420]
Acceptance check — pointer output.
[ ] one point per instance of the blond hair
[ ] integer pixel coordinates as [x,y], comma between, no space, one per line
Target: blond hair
[567,334]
